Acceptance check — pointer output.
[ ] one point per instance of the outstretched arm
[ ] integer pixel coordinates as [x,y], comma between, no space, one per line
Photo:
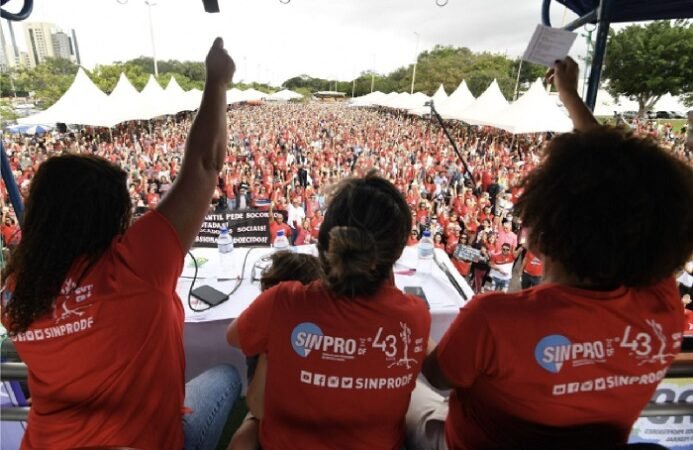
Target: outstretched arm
[188,200]
[564,75]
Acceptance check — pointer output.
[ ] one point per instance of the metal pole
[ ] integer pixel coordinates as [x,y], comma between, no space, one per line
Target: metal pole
[416,60]
[517,80]
[588,59]
[151,34]
[11,185]
[435,114]
[353,88]
[373,74]
[599,51]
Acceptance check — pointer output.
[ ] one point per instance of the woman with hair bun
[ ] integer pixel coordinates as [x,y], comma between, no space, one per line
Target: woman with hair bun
[343,352]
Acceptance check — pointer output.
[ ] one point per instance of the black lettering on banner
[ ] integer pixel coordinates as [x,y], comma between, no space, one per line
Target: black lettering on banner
[249,228]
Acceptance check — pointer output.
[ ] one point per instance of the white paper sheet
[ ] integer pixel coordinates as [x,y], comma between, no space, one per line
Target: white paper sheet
[548,45]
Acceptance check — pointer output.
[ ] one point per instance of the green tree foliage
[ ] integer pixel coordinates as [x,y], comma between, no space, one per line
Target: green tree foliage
[441,65]
[645,62]
[307,82]
[47,81]
[7,113]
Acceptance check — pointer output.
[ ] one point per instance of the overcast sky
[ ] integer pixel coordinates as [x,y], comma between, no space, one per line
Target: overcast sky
[271,41]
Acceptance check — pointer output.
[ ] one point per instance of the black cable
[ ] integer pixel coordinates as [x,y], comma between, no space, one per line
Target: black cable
[193,285]
[239,280]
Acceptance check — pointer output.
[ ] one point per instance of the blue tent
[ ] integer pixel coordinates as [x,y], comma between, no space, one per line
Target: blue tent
[29,129]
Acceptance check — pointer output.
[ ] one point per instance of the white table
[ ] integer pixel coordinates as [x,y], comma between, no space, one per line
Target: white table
[205,332]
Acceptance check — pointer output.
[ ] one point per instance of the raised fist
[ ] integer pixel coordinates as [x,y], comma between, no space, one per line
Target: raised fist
[220,66]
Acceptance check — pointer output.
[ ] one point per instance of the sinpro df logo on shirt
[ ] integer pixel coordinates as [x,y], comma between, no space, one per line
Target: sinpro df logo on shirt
[303,334]
[553,351]
[307,337]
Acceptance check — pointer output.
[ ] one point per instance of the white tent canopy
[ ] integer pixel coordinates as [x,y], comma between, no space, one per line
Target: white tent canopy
[175,97]
[78,106]
[192,99]
[416,100]
[485,108]
[456,103]
[155,100]
[252,94]
[285,95]
[368,99]
[536,111]
[125,103]
[670,103]
[440,96]
[393,100]
[606,105]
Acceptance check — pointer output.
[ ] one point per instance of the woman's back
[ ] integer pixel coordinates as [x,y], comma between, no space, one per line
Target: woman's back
[108,360]
[341,370]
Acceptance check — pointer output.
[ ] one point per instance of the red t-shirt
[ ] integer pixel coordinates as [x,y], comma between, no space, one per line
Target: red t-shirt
[274,227]
[106,366]
[688,322]
[536,362]
[11,234]
[532,265]
[340,371]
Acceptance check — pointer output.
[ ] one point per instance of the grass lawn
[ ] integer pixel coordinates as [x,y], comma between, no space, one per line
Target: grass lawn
[675,123]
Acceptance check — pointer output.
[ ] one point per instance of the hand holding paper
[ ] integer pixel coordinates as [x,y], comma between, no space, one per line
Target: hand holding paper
[549,45]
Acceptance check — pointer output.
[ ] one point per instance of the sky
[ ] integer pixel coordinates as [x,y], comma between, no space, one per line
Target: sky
[271,41]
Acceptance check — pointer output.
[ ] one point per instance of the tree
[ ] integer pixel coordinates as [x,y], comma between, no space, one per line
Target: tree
[7,113]
[645,62]
[47,81]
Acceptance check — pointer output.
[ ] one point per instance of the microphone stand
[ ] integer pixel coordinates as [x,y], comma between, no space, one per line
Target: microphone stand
[451,277]
[434,113]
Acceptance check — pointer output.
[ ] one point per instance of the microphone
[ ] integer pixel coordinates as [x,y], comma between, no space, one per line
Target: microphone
[451,277]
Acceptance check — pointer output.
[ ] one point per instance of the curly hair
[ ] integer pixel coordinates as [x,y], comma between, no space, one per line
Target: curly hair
[76,205]
[366,227]
[611,208]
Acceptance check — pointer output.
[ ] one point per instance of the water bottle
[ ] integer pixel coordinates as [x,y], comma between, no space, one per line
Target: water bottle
[225,246]
[281,242]
[425,252]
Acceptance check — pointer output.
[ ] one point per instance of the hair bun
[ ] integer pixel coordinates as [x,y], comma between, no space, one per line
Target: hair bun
[352,256]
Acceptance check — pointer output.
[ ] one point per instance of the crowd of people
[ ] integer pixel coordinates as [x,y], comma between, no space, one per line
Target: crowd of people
[283,156]
[342,353]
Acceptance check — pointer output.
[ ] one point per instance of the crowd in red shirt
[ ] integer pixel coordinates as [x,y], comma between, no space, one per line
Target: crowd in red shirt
[278,153]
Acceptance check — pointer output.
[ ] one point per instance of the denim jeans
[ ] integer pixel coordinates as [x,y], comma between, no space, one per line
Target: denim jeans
[500,285]
[211,396]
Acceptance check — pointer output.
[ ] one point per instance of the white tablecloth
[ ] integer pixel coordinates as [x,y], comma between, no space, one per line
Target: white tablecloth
[205,332]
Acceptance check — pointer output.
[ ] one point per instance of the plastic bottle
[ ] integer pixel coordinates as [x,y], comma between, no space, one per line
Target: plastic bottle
[281,242]
[225,246]
[425,252]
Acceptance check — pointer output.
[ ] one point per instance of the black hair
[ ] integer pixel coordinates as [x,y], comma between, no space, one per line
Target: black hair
[366,227]
[76,205]
[611,208]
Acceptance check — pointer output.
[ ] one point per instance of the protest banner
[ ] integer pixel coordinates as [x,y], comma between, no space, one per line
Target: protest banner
[248,228]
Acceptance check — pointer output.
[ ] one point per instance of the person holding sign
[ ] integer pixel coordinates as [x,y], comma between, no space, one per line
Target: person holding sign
[573,361]
[344,352]
[91,306]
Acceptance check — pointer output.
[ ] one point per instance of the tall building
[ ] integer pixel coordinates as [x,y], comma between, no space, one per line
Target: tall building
[13,40]
[75,48]
[4,61]
[61,45]
[4,54]
[9,53]
[39,41]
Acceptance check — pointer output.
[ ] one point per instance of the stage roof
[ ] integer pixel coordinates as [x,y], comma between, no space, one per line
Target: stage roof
[636,10]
